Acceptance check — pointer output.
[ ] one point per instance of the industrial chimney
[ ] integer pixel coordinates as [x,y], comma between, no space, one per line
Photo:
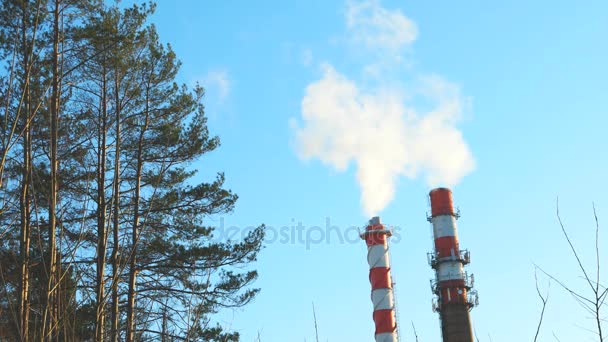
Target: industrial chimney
[376,237]
[452,285]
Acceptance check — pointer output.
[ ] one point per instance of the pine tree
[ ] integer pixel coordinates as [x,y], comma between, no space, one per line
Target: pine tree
[20,29]
[105,231]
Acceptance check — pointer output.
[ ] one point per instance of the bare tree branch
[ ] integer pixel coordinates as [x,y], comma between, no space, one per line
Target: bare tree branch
[578,260]
[556,337]
[544,300]
[592,304]
[314,315]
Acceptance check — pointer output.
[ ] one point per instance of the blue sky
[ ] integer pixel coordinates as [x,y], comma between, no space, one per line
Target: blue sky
[519,93]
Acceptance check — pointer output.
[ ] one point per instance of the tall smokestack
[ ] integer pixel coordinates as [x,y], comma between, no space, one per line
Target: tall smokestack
[452,285]
[376,237]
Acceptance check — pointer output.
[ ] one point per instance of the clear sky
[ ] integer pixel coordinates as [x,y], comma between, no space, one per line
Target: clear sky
[330,111]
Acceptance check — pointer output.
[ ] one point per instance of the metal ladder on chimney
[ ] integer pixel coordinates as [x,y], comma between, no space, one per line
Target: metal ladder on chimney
[393,283]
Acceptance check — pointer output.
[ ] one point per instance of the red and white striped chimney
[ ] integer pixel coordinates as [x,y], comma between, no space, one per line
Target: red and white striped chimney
[452,284]
[376,237]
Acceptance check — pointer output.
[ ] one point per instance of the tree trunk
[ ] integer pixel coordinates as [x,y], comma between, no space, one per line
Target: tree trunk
[24,243]
[115,263]
[134,234]
[24,302]
[101,214]
[50,313]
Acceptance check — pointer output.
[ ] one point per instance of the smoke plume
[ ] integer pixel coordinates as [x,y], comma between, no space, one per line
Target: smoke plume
[384,130]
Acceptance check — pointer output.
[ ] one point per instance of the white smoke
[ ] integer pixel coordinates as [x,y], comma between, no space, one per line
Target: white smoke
[375,127]
[374,26]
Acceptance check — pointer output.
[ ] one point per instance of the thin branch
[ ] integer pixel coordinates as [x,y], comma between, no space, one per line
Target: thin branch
[544,301]
[578,260]
[556,336]
[415,333]
[599,298]
[314,315]
[593,306]
[579,297]
[597,249]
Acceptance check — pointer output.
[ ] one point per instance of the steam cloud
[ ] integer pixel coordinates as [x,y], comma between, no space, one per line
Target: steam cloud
[378,128]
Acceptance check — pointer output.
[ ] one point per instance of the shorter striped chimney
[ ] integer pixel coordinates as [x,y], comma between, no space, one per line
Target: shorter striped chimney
[376,237]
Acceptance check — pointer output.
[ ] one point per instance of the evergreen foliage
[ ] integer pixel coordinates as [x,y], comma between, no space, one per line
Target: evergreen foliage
[104,234]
